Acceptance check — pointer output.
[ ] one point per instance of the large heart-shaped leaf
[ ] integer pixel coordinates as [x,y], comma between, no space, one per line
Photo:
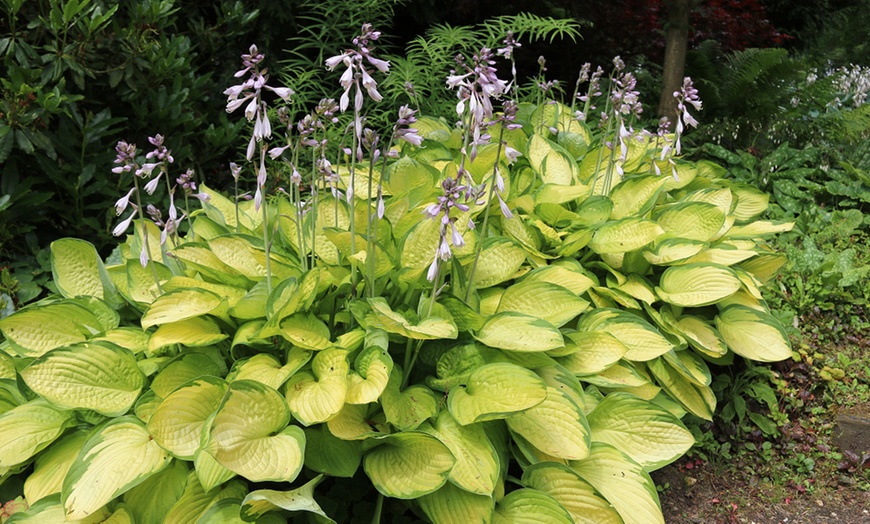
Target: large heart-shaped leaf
[556,426]
[495,391]
[150,501]
[249,434]
[180,304]
[644,342]
[477,462]
[117,457]
[407,409]
[697,284]
[265,368]
[407,465]
[550,302]
[319,395]
[574,494]
[103,378]
[530,506]
[519,332]
[592,352]
[191,332]
[78,270]
[624,235]
[753,334]
[177,423]
[453,505]
[52,466]
[326,453]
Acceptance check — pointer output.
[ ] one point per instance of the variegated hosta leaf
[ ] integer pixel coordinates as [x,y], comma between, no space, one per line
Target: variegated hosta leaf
[453,505]
[701,335]
[550,302]
[319,395]
[592,352]
[306,331]
[556,426]
[430,328]
[183,369]
[644,342]
[519,332]
[177,423]
[261,501]
[117,457]
[209,471]
[477,462]
[179,305]
[698,400]
[751,202]
[647,433]
[623,483]
[407,465]
[326,453]
[78,270]
[52,466]
[698,284]
[195,501]
[753,334]
[50,510]
[634,196]
[564,276]
[692,220]
[357,422]
[103,378]
[574,494]
[192,332]
[672,250]
[495,391]
[370,375]
[150,501]
[499,261]
[624,235]
[265,368]
[224,511]
[407,409]
[552,163]
[249,434]
[530,506]
[36,330]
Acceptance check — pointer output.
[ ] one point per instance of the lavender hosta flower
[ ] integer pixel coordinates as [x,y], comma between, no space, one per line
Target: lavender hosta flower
[356,74]
[687,95]
[404,131]
[452,197]
[123,202]
[126,158]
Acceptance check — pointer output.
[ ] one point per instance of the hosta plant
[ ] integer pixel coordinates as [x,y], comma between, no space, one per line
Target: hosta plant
[500,321]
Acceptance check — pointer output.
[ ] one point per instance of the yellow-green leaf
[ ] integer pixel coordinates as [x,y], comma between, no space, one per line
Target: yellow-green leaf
[519,332]
[696,285]
[753,334]
[319,395]
[624,235]
[495,391]
[407,465]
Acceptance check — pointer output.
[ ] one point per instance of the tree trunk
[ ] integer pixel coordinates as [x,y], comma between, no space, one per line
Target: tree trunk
[676,43]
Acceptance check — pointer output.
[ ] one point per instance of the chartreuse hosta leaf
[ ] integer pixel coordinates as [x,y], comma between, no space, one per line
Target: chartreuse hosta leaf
[132,338]
[453,505]
[407,409]
[624,235]
[644,342]
[225,511]
[691,366]
[191,332]
[634,196]
[556,426]
[498,262]
[552,163]
[50,510]
[370,375]
[223,211]
[78,270]
[407,465]
[326,453]
[698,284]
[181,369]
[701,335]
[357,422]
[103,378]
[35,330]
[28,429]
[592,352]
[623,482]
[692,220]
[150,501]
[319,394]
[574,494]
[519,332]
[195,501]
[553,303]
[249,434]
[52,466]
[530,506]
[180,305]
[209,471]
[566,276]
[495,391]
[177,423]
[673,250]
[697,400]
[477,462]
[265,368]
[753,334]
[117,456]
[306,331]
[751,202]
[261,501]
[430,328]
[647,433]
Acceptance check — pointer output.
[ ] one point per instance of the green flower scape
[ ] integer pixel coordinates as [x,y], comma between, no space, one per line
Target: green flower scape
[498,321]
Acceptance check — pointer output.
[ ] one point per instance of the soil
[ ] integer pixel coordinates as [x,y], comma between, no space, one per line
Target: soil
[704,496]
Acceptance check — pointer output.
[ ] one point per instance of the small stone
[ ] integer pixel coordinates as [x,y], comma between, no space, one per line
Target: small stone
[852,432]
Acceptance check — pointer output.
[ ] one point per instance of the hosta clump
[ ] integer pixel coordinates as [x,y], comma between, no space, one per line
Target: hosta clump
[540,371]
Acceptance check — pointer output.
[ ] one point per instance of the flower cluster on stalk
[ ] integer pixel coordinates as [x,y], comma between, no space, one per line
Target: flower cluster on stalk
[686,96]
[453,196]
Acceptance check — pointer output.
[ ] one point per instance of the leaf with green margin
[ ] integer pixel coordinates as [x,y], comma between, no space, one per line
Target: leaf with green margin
[326,453]
[647,433]
[624,235]
[208,470]
[223,211]
[751,202]
[247,335]
[133,339]
[306,331]
[701,335]
[690,366]
[249,434]
[237,251]
[575,281]
[620,375]
[77,270]
[179,305]
[574,494]
[758,229]
[177,423]
[225,511]
[36,330]
[265,368]
[519,332]
[692,220]
[117,456]
[623,483]
[672,250]
[551,161]
[50,510]
[644,342]
[556,426]
[7,367]
[453,505]
[319,395]
[150,501]
[407,409]
[52,466]
[106,316]
[530,506]
[499,260]
[103,378]
[261,501]
[765,266]
[753,334]
[141,287]
[357,422]
[191,332]
[635,196]
[592,352]
[194,501]
[495,391]
[407,465]
[370,375]
[199,257]
[183,369]
[697,284]
[430,328]
[699,401]
[553,303]
[477,462]
[146,405]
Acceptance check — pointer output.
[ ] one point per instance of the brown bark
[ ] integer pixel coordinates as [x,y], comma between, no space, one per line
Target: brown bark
[676,43]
